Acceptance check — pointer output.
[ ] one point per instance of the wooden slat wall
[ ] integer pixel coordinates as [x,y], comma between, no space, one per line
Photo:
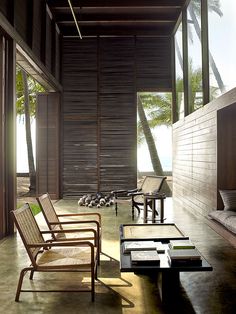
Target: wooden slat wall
[195,167]
[99,110]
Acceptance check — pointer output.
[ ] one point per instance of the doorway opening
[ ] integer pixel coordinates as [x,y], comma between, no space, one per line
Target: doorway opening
[26,97]
[154,135]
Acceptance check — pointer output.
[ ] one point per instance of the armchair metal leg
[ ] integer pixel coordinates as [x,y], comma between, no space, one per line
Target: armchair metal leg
[31,274]
[132,208]
[116,207]
[22,274]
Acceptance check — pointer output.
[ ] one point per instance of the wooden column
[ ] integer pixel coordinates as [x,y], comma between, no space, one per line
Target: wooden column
[10,144]
[7,136]
[2,138]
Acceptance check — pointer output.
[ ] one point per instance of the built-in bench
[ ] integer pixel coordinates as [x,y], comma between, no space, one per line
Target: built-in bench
[224,221]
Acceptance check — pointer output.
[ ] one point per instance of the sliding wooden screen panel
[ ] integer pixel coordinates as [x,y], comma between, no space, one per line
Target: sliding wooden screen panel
[117,114]
[47,144]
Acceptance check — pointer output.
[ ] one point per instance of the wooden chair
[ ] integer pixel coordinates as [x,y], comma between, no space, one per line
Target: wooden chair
[64,256]
[150,184]
[64,221]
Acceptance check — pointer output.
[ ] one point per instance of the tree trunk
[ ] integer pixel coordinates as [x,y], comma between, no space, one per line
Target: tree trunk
[156,164]
[211,59]
[32,174]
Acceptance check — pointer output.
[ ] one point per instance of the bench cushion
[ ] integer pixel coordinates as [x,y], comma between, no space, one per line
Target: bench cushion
[226,217]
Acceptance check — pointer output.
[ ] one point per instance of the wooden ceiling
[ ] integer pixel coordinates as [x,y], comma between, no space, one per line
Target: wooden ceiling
[117,17]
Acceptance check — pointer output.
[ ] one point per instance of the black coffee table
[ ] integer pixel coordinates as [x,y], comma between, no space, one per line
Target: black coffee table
[167,275]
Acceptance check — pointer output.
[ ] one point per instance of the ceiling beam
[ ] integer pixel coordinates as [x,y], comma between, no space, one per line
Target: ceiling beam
[122,30]
[117,3]
[67,17]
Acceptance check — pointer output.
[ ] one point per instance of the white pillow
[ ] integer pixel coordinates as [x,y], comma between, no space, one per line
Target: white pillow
[229,199]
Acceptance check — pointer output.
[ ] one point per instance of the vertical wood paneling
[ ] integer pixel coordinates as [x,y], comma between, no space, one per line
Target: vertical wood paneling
[195,161]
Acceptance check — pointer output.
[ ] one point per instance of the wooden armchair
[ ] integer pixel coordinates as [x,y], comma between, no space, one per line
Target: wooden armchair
[64,221]
[64,256]
[151,184]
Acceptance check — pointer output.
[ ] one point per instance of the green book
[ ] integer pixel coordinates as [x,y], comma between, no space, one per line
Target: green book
[181,244]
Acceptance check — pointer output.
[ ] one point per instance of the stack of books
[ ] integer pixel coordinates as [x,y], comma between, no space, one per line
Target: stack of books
[143,246]
[178,257]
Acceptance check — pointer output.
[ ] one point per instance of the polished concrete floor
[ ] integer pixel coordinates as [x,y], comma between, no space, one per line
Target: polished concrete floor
[206,293]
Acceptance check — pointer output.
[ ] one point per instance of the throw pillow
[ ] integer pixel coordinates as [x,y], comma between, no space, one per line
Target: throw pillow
[229,199]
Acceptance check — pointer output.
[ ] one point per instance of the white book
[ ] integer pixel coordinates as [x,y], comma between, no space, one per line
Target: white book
[150,257]
[143,246]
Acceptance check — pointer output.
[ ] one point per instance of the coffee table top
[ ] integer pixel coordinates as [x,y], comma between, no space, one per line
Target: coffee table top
[164,232]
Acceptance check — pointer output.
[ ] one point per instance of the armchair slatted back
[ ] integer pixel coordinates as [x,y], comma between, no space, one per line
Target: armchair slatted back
[50,215]
[28,229]
[151,184]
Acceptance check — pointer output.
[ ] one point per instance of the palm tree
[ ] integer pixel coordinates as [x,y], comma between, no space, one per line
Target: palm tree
[26,89]
[194,11]
[160,114]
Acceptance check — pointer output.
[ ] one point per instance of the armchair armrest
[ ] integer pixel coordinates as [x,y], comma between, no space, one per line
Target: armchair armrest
[81,215]
[117,192]
[58,244]
[71,231]
[135,193]
[95,236]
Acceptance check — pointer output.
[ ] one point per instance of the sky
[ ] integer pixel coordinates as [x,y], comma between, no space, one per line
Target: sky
[163,140]
[21,148]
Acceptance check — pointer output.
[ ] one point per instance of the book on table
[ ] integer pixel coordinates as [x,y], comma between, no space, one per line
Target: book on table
[181,244]
[143,246]
[150,257]
[184,256]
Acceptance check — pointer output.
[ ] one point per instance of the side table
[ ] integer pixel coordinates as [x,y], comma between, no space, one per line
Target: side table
[151,199]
